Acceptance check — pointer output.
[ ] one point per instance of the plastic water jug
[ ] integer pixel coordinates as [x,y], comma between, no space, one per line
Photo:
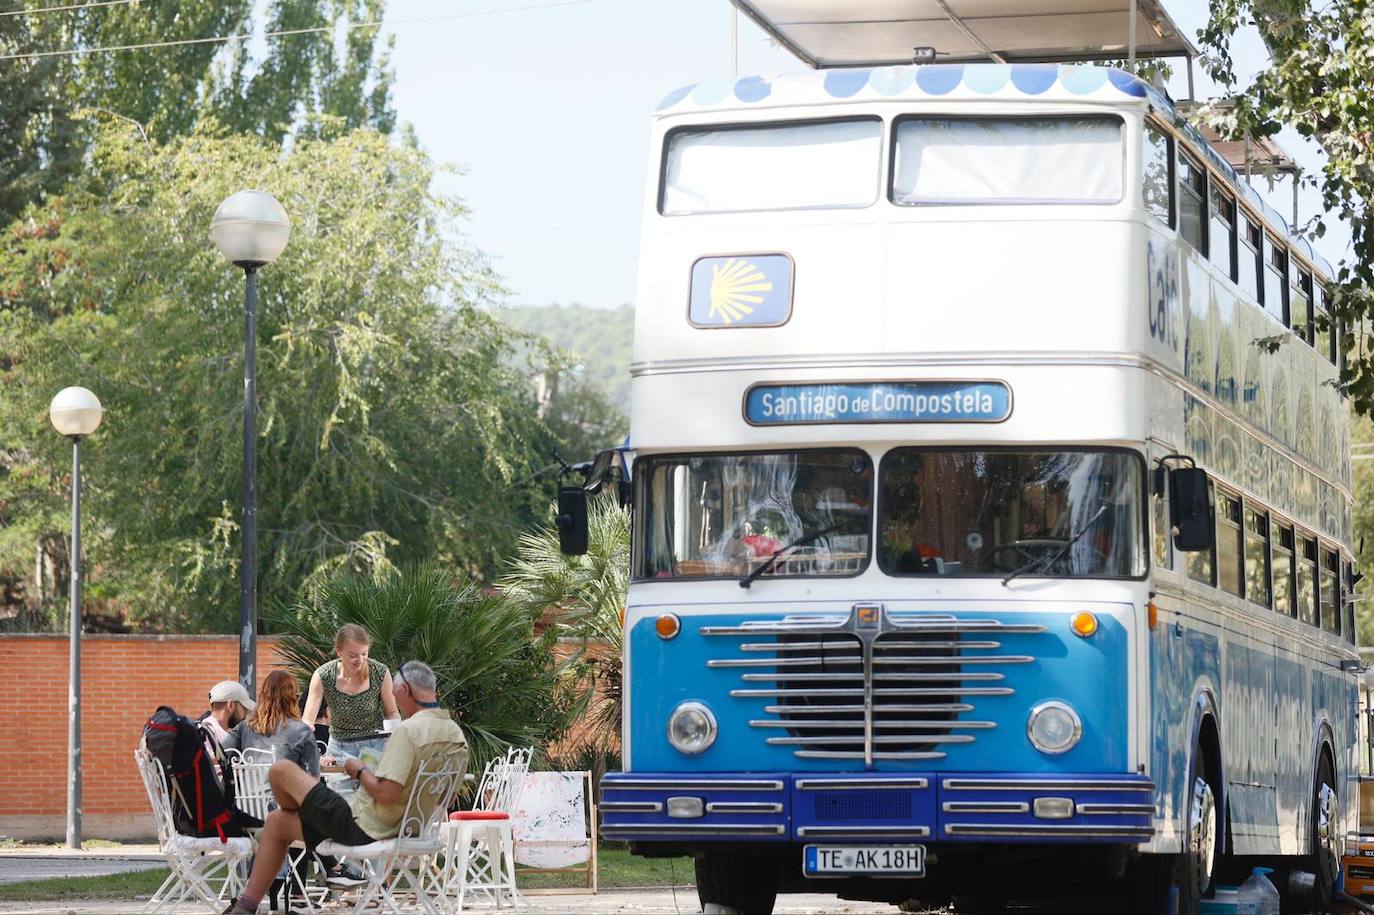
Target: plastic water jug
[1257,895]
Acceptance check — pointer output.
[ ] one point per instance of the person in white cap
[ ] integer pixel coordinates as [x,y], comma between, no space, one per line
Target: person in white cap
[229,704]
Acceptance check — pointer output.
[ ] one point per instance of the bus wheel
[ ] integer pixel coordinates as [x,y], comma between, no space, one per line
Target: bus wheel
[1174,884]
[1325,832]
[744,885]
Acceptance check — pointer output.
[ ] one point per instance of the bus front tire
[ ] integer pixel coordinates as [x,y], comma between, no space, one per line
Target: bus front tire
[1326,853]
[745,885]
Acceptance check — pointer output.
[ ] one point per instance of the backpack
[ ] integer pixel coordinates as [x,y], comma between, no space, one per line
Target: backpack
[202,802]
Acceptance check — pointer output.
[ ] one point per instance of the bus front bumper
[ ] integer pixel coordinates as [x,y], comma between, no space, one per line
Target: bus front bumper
[877,807]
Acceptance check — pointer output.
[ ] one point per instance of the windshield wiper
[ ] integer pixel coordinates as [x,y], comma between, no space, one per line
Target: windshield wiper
[768,563]
[1040,562]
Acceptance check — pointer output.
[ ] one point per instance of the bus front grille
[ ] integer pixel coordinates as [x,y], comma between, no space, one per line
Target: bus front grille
[905,692]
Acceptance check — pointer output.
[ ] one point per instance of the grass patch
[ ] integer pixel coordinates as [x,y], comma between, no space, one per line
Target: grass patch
[617,867]
[110,886]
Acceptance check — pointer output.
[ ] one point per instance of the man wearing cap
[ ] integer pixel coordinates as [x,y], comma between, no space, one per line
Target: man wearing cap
[229,704]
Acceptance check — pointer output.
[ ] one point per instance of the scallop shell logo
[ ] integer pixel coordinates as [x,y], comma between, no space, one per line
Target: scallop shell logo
[736,287]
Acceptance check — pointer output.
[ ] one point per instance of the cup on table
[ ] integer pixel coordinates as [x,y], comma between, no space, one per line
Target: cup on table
[389,725]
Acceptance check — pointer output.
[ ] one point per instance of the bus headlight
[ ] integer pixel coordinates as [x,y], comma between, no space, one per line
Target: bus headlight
[1054,727]
[691,728]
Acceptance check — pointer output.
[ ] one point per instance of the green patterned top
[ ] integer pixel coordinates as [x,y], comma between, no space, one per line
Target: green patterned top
[353,716]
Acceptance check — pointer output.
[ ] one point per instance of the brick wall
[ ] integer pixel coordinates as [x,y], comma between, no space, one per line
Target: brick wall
[123,678]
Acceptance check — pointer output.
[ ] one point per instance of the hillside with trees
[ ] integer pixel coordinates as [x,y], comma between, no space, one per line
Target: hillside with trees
[597,339]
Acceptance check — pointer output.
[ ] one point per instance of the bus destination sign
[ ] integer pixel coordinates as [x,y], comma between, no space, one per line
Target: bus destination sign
[878,402]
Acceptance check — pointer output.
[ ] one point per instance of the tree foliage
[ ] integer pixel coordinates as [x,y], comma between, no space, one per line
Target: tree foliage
[45,136]
[598,339]
[394,423]
[1318,82]
[585,597]
[504,685]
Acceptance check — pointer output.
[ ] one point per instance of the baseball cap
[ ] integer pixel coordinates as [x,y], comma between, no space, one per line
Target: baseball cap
[231,691]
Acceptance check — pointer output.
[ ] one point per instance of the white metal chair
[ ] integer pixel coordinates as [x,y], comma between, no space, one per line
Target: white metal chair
[253,795]
[480,843]
[203,871]
[407,864]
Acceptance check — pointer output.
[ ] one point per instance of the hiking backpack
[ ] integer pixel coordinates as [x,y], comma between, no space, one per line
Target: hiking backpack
[202,801]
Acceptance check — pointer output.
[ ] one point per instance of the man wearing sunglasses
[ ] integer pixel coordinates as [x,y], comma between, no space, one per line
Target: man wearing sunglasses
[312,812]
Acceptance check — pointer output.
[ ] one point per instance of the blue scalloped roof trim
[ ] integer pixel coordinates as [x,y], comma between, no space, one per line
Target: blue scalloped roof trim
[1029,80]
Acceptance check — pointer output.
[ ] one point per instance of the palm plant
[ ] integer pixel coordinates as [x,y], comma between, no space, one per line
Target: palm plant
[586,597]
[502,683]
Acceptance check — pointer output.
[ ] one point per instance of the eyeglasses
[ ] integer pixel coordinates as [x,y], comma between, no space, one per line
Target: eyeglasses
[400,675]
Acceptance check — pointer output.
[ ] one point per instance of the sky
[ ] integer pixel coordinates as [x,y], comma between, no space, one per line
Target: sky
[545,106]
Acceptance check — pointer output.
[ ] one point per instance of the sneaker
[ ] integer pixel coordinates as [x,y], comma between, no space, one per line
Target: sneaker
[345,876]
[236,909]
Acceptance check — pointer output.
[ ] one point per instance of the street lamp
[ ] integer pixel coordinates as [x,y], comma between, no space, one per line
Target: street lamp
[76,413]
[250,228]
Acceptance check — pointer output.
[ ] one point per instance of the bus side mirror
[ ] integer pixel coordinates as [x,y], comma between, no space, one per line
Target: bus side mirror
[572,520]
[1190,508]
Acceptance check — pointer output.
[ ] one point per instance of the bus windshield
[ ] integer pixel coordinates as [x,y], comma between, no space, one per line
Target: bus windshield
[950,512]
[720,515]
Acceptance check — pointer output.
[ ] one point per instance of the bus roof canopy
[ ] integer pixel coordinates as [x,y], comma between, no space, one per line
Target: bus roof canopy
[852,33]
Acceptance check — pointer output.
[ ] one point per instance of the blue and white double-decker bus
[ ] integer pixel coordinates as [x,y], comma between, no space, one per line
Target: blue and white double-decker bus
[991,500]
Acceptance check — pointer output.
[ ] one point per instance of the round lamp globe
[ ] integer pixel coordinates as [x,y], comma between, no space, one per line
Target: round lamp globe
[75,411]
[250,228]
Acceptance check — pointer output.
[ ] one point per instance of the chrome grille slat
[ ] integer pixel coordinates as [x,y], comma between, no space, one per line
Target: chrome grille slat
[871,685]
[860,754]
[822,740]
[833,723]
[876,678]
[916,691]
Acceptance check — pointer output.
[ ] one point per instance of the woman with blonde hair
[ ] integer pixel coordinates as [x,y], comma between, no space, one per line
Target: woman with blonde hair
[358,692]
[275,725]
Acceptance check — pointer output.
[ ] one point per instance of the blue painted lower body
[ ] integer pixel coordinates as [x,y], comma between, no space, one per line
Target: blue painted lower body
[944,807]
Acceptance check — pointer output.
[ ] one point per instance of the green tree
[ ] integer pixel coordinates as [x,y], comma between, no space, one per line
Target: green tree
[502,682]
[394,424]
[170,90]
[1318,82]
[584,596]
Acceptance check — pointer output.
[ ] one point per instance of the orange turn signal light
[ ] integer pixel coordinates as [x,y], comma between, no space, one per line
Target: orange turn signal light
[667,626]
[1153,613]
[1083,624]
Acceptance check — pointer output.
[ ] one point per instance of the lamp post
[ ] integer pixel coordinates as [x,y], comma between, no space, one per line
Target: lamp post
[76,413]
[250,228]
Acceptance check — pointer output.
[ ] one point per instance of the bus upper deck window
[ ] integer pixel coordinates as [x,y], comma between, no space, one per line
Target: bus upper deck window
[1007,160]
[1323,332]
[1156,155]
[1221,235]
[1330,592]
[1250,248]
[781,166]
[1307,581]
[1276,279]
[1192,188]
[1283,573]
[1300,303]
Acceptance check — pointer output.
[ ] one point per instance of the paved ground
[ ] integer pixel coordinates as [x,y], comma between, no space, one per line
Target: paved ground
[16,865]
[610,902]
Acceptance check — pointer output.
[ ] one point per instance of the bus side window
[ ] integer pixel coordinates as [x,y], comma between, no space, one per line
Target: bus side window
[1284,599]
[1192,205]
[1230,552]
[1330,592]
[1201,563]
[1163,542]
[1257,557]
[1156,174]
[1348,602]
[1300,304]
[1323,333]
[1276,280]
[1251,267]
[1307,581]
[1221,232]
